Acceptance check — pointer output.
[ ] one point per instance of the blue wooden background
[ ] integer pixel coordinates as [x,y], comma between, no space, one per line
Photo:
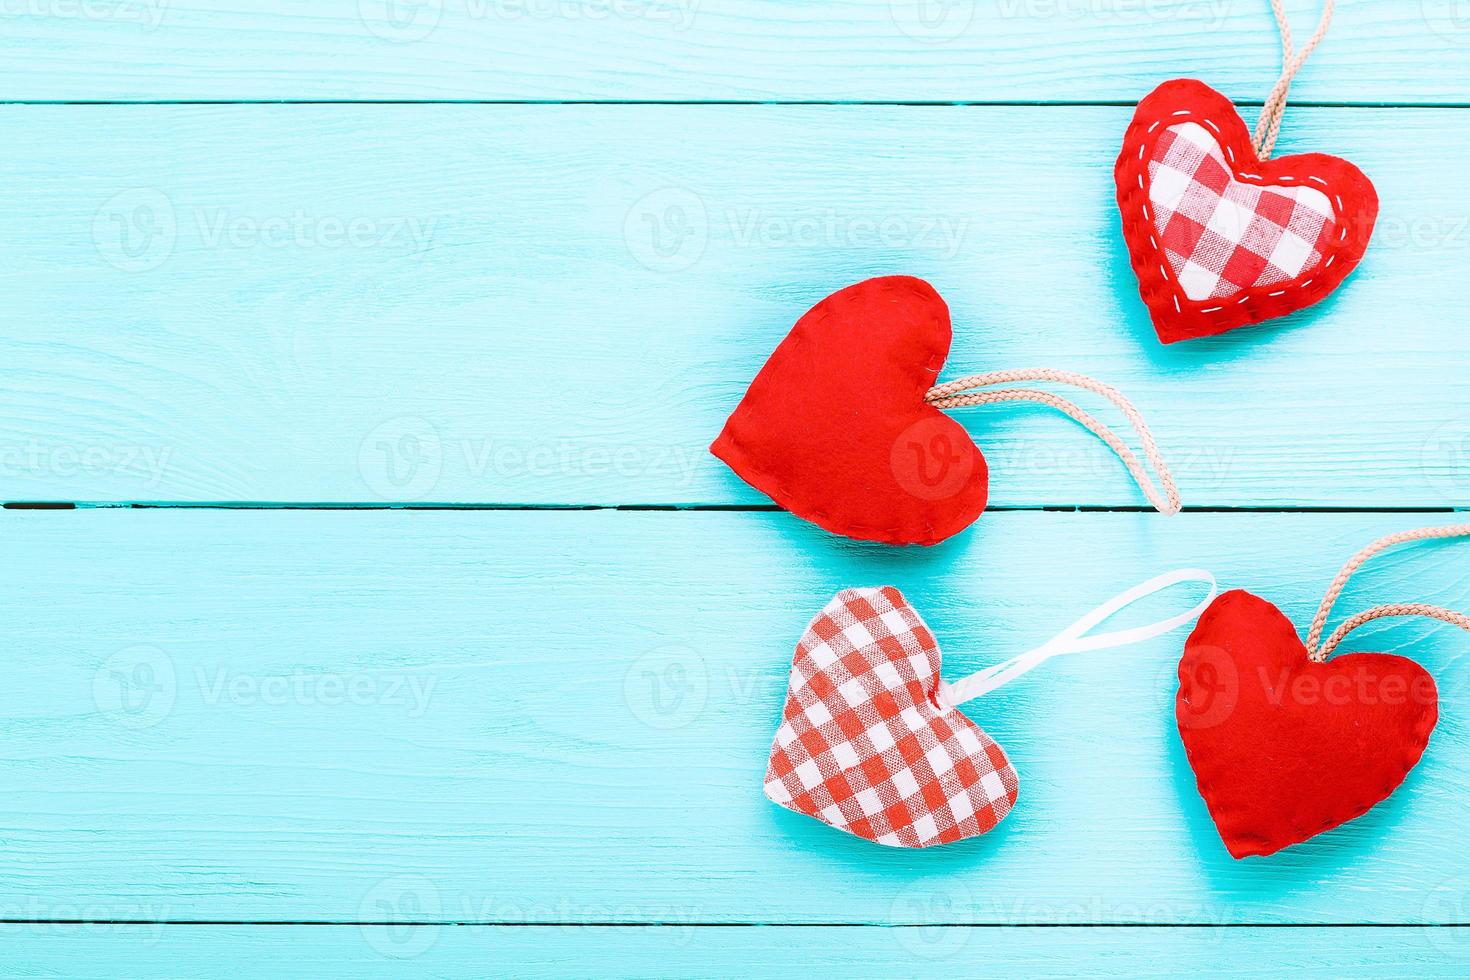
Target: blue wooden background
[402,624]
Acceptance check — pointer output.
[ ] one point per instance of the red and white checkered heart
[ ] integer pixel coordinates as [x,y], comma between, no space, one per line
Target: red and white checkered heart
[1222,235]
[1220,238]
[866,743]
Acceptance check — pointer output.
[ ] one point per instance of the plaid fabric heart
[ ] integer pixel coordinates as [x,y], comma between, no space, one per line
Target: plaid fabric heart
[867,745]
[1220,238]
[871,740]
[1222,235]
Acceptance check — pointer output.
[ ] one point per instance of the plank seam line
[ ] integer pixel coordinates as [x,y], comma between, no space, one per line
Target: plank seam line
[490,923]
[897,103]
[713,508]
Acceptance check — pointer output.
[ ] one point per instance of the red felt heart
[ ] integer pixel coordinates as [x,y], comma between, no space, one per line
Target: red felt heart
[1283,747]
[1219,238]
[835,428]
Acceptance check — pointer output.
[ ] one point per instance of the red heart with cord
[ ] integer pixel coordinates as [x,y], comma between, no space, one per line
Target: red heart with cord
[835,427]
[1284,747]
[1220,238]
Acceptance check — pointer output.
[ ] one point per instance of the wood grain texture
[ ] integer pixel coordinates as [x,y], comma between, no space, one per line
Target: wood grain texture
[561,304]
[697,50]
[84,952]
[564,717]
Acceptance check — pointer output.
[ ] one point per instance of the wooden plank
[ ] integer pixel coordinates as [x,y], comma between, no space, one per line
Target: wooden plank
[426,304]
[885,50]
[564,717]
[82,952]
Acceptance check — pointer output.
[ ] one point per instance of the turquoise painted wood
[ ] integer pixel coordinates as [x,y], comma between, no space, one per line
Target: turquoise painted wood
[907,50]
[561,304]
[528,740]
[81,952]
[563,717]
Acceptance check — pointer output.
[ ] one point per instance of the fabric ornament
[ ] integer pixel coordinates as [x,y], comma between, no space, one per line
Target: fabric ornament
[1221,236]
[1286,744]
[844,425]
[871,740]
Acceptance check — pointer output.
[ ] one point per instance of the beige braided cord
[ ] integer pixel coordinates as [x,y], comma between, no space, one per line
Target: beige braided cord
[1319,651]
[961,393]
[1268,127]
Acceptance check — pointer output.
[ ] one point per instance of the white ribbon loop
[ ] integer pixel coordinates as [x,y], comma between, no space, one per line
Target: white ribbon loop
[1075,638]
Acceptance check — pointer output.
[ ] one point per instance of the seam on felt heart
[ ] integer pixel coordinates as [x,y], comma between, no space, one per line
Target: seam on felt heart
[1159,283]
[779,487]
[1301,831]
[1171,279]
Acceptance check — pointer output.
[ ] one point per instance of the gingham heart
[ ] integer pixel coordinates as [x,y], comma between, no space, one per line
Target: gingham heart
[871,740]
[866,744]
[1219,238]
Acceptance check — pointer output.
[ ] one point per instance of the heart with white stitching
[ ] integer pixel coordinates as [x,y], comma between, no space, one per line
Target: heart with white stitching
[1220,238]
[866,742]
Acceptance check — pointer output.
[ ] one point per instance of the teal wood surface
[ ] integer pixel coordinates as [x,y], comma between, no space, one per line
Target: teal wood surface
[564,717]
[561,304]
[78,952]
[290,735]
[873,50]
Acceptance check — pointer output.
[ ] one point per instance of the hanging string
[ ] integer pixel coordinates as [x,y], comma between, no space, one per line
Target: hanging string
[961,393]
[1268,127]
[1319,651]
[1079,638]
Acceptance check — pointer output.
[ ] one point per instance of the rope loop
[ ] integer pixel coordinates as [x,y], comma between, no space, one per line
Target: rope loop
[1320,651]
[961,393]
[1268,127]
